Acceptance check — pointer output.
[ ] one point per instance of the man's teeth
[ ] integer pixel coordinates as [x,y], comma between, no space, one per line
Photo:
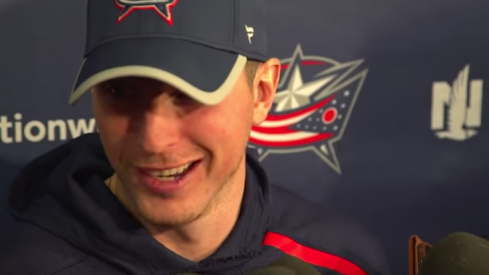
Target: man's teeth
[171,172]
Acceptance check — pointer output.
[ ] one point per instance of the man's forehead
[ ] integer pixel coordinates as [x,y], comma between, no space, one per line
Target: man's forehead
[140,83]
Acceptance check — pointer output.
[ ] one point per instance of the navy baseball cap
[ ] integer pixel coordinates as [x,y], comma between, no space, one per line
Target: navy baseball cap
[198,46]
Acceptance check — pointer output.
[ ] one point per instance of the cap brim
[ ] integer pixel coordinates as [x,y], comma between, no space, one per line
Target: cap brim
[204,73]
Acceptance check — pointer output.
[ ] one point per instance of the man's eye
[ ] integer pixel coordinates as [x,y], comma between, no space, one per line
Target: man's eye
[117,91]
[181,97]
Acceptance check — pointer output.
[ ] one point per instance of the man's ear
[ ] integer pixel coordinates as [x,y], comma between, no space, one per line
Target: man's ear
[266,81]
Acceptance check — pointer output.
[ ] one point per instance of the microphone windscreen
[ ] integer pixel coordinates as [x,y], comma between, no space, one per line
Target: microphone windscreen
[297,265]
[457,254]
[274,270]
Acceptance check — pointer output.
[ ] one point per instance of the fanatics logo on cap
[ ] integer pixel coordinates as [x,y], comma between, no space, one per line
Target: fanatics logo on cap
[161,7]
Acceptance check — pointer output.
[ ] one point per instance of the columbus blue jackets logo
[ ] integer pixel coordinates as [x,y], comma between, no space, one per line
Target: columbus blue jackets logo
[161,7]
[312,107]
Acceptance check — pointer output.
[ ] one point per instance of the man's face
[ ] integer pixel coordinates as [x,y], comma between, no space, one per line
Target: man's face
[173,155]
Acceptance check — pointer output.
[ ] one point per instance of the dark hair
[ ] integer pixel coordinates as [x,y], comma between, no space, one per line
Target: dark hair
[250,70]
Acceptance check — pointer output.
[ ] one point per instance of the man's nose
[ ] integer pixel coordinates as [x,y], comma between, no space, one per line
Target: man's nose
[159,129]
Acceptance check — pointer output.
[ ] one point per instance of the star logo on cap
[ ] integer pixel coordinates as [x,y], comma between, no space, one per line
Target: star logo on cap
[161,7]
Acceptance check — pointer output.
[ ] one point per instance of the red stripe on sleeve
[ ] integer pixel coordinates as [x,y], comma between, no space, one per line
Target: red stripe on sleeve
[312,256]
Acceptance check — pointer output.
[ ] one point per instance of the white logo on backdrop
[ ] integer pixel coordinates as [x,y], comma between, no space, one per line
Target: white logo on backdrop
[456,110]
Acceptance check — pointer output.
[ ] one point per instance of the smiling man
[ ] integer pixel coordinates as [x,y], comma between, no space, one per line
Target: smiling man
[166,186]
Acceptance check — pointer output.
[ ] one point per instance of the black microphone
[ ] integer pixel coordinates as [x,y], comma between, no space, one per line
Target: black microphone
[288,265]
[271,270]
[274,270]
[297,265]
[457,254]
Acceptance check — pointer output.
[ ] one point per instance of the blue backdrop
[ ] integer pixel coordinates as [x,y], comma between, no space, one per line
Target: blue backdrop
[380,112]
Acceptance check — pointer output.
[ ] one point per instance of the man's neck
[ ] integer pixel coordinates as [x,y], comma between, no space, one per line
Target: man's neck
[203,237]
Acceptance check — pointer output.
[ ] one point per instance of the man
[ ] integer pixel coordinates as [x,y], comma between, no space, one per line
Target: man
[166,186]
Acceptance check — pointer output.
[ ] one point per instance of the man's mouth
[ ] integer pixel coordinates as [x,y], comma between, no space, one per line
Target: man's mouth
[173,173]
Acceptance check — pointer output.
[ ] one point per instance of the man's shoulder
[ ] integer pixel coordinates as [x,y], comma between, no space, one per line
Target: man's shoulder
[293,212]
[28,249]
[325,233]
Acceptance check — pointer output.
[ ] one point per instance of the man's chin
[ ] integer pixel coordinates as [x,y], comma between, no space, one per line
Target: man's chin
[165,222]
[166,215]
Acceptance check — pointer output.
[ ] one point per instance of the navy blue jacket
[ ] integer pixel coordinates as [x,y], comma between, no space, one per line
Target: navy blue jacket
[67,222]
